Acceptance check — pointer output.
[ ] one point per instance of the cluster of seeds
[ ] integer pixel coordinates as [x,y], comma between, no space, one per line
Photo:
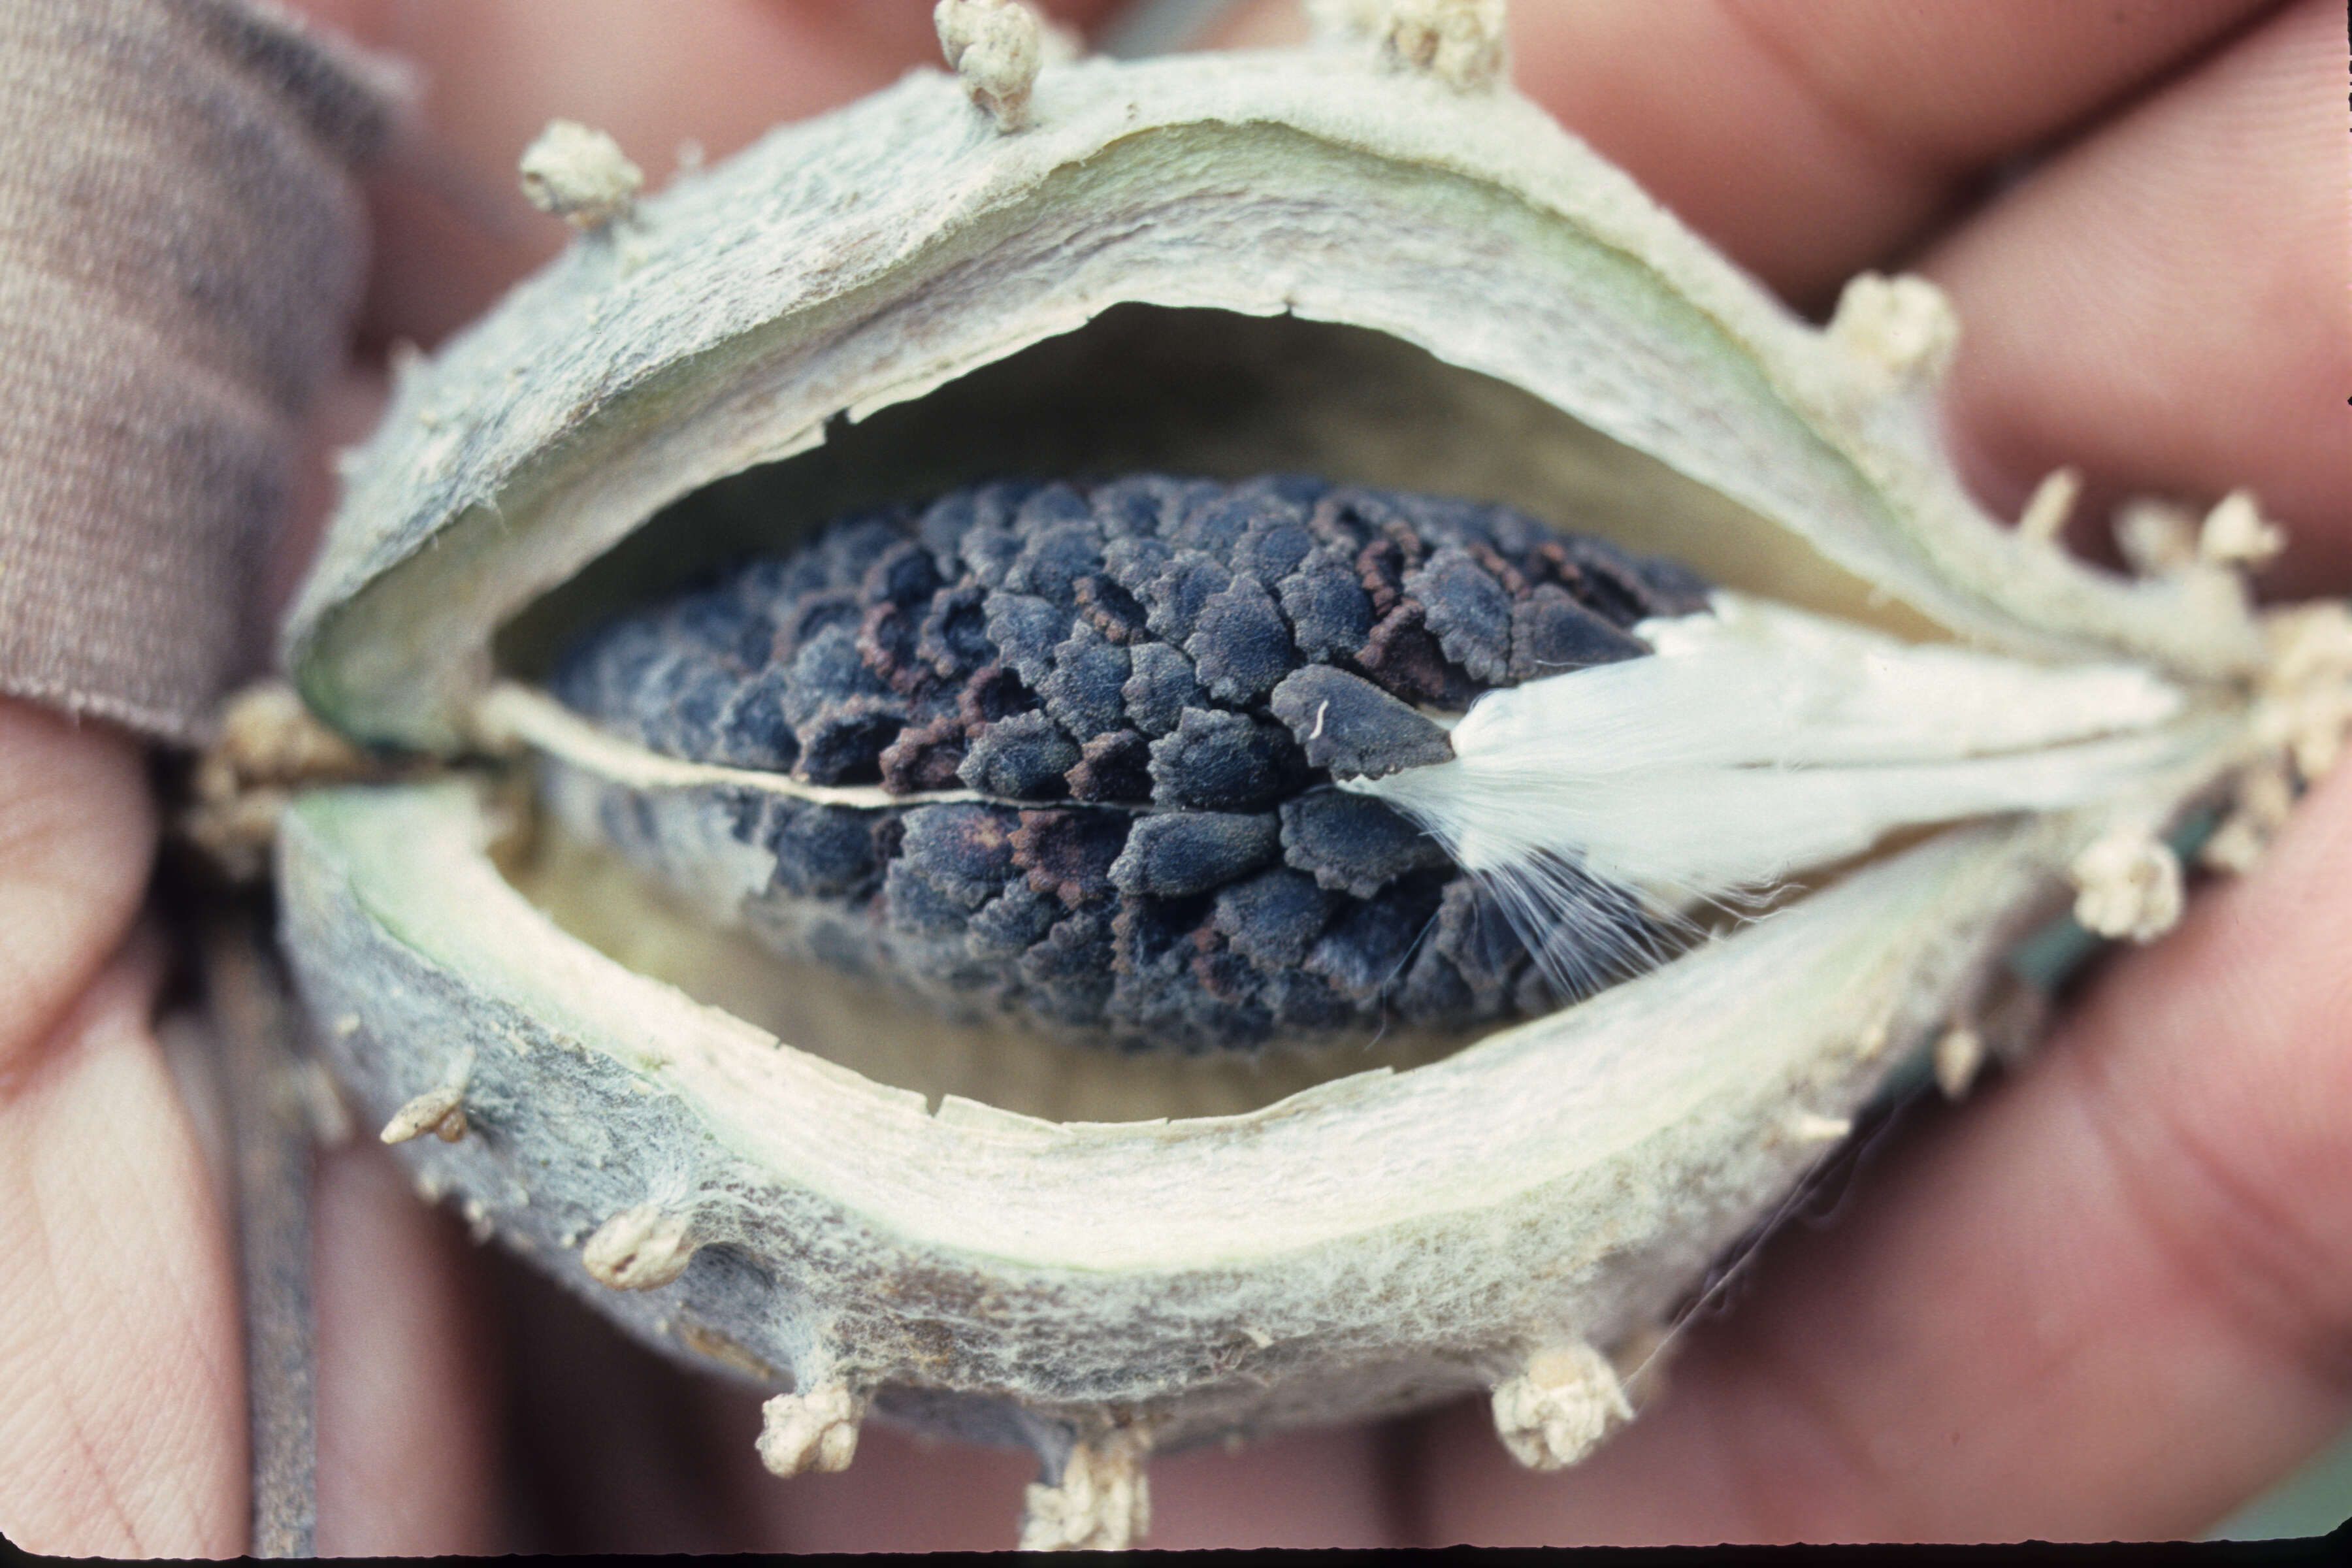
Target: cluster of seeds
[1153,682]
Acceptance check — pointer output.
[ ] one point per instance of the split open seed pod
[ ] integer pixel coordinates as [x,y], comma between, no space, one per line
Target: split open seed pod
[1368,263]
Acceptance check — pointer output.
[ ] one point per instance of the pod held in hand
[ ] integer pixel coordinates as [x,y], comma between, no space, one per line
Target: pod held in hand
[786,953]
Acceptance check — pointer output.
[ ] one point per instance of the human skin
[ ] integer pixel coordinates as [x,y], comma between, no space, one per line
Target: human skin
[2110,1296]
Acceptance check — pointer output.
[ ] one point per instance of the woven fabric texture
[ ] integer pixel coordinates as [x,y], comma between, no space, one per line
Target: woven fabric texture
[182,246]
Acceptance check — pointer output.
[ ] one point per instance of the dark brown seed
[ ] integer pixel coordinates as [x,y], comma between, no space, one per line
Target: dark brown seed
[1155,682]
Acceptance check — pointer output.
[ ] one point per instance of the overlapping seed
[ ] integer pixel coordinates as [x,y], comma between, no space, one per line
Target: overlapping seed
[1154,681]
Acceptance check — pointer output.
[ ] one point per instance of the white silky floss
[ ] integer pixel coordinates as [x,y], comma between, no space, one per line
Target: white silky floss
[1758,740]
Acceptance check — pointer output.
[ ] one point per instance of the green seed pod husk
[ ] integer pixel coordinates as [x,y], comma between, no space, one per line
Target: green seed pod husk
[1336,263]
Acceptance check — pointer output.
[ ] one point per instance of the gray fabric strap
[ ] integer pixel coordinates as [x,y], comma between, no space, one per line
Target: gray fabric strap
[181,245]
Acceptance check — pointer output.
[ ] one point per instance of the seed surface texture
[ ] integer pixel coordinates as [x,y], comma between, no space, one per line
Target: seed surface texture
[1154,682]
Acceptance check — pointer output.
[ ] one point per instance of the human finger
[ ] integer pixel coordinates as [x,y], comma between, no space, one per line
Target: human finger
[1328,1489]
[1810,141]
[2164,305]
[77,833]
[615,1449]
[121,1386]
[409,1399]
[118,1386]
[625,1454]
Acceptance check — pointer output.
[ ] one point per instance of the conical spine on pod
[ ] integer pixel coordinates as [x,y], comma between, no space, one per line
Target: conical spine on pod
[995,47]
[1459,42]
[1100,1500]
[1558,1409]
[440,1109]
[815,1430]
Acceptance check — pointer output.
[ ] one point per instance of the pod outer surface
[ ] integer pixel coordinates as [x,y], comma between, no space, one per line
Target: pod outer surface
[860,259]
[1365,1245]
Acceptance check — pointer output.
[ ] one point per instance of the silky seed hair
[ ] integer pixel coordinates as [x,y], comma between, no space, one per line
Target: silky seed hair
[1152,685]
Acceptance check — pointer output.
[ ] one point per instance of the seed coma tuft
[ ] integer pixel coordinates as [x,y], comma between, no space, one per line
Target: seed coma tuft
[1153,684]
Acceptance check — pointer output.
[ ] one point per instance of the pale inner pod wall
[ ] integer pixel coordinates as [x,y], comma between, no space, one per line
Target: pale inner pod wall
[1211,394]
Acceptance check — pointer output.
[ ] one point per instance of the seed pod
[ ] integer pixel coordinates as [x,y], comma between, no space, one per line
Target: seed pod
[1864,760]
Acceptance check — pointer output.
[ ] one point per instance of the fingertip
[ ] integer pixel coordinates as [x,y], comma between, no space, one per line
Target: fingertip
[2163,304]
[1330,1489]
[408,1397]
[121,1389]
[77,837]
